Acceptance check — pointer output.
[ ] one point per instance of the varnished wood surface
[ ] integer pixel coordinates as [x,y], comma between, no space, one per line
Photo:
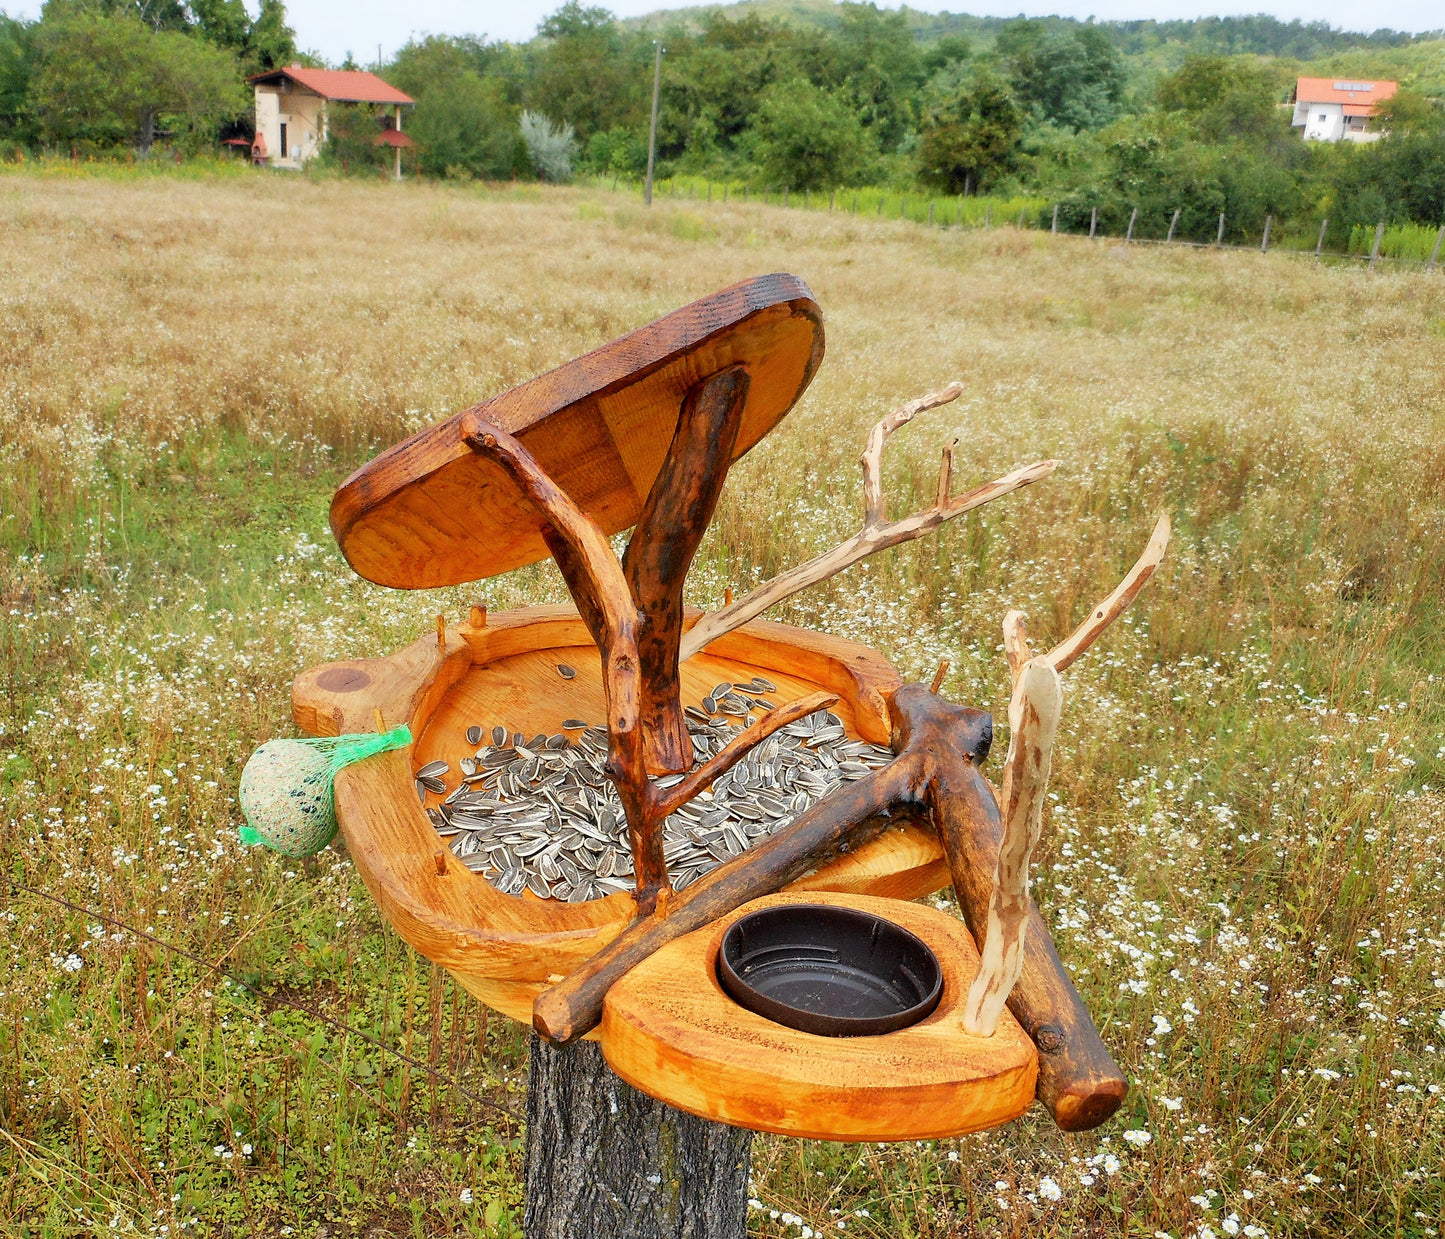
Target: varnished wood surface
[501,947]
[430,512]
[670,1030]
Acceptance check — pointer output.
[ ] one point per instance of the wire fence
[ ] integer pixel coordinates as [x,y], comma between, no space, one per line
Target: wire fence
[1406,245]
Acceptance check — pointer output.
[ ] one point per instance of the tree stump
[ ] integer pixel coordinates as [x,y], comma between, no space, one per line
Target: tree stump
[609,1162]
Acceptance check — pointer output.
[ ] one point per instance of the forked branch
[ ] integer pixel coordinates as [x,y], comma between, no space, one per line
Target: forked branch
[877,534]
[624,626]
[1034,711]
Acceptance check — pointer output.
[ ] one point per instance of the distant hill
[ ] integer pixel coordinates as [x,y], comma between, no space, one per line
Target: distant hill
[1258,35]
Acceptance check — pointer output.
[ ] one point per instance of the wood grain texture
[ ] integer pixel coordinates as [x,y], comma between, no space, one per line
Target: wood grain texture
[431,512]
[677,513]
[670,1030]
[504,948]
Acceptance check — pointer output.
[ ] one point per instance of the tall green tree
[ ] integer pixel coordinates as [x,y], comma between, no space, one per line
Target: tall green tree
[17,62]
[879,68]
[971,130]
[113,79]
[586,73]
[464,122]
[809,138]
[1226,98]
[1072,78]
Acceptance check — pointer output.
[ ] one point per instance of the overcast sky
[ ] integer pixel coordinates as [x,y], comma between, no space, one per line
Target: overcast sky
[334,27]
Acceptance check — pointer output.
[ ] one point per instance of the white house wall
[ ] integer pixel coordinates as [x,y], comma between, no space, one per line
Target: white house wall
[1323,122]
[303,114]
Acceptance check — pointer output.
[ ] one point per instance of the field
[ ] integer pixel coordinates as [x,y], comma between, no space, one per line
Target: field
[1242,862]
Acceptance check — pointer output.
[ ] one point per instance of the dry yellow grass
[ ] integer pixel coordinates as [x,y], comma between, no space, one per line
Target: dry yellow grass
[1243,858]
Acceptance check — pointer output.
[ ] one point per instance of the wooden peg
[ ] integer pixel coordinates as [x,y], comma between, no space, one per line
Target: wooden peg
[377,720]
[441,632]
[728,597]
[938,675]
[478,615]
[441,863]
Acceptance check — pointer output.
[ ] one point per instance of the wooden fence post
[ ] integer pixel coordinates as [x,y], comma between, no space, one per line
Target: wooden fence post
[1054,228]
[1435,253]
[1133,218]
[1264,244]
[930,212]
[605,1160]
[1320,240]
[832,198]
[1173,224]
[1093,222]
[1219,240]
[1022,212]
[1375,249]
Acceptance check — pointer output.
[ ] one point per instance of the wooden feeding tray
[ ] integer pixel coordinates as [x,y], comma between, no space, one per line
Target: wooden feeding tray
[641,433]
[503,948]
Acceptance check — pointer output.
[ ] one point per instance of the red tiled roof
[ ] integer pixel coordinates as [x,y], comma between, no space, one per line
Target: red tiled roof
[1350,91]
[343,85]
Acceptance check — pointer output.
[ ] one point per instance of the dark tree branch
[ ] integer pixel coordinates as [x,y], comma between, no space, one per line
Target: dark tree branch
[662,547]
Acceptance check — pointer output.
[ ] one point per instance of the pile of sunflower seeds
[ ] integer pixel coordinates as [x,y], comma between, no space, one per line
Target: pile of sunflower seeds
[539,814]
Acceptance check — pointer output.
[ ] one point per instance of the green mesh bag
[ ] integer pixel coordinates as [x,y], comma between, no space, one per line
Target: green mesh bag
[286,788]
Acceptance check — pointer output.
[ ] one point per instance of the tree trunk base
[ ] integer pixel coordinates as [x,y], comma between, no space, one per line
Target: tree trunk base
[607,1162]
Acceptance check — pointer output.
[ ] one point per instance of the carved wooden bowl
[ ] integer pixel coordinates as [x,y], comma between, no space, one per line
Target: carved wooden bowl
[670,1029]
[502,948]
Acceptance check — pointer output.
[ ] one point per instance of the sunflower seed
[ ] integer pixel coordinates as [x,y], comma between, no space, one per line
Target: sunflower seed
[420,791]
[550,821]
[432,769]
[566,672]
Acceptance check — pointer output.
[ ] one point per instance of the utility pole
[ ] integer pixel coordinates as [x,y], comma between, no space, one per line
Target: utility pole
[652,132]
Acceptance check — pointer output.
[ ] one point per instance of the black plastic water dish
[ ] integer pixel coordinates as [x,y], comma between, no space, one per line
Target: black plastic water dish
[825,969]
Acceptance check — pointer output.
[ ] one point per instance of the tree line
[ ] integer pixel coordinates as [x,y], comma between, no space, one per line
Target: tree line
[1115,117]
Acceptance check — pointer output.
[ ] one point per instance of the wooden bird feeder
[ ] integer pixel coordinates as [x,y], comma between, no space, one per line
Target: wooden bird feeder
[640,434]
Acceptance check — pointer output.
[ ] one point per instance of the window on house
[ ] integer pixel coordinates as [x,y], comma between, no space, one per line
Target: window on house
[1323,118]
[283,138]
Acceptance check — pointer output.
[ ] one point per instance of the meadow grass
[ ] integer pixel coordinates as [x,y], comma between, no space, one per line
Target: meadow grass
[1242,861]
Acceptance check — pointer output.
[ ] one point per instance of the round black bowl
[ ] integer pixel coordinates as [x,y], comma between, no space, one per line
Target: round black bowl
[829,970]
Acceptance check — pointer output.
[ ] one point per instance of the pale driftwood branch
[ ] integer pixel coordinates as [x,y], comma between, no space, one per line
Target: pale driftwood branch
[877,534]
[1016,643]
[872,458]
[1063,654]
[1034,711]
[1033,715]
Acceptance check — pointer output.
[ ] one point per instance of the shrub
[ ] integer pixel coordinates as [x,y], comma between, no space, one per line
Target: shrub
[551,147]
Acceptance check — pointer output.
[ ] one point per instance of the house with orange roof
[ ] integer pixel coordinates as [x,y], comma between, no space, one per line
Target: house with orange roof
[291,110]
[1336,109]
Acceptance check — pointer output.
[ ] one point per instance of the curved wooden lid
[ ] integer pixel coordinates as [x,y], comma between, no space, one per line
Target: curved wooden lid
[431,512]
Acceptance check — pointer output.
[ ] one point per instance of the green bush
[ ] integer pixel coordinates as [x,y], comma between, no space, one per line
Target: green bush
[808,138]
